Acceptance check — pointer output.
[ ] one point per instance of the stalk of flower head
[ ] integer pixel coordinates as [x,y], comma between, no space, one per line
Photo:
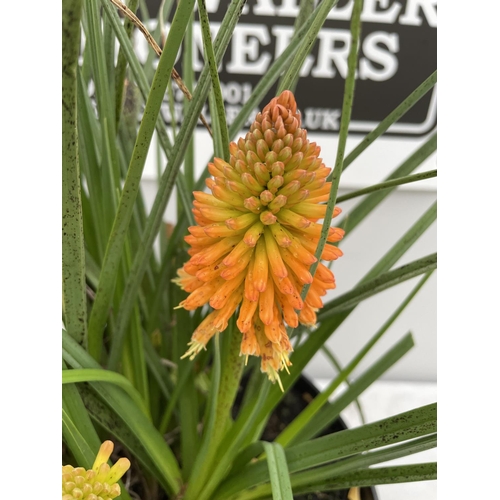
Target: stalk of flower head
[256,235]
[98,483]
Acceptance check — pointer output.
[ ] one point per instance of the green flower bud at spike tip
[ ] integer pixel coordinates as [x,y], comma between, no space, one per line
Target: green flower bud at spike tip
[98,483]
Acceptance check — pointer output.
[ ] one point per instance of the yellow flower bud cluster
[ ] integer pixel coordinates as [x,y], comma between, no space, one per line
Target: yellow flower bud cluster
[98,483]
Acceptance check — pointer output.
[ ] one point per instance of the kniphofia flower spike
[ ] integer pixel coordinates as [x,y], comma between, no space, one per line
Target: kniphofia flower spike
[256,237]
[98,483]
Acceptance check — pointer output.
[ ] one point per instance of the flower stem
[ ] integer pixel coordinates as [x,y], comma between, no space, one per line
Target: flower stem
[232,368]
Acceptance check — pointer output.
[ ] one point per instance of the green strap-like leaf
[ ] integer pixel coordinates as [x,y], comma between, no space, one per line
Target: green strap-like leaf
[217,138]
[393,117]
[214,75]
[366,206]
[102,74]
[173,401]
[77,413]
[339,445]
[278,471]
[253,450]
[73,255]
[377,285]
[93,218]
[144,87]
[395,429]
[98,375]
[374,476]
[136,68]
[343,376]
[156,368]
[290,78]
[121,65]
[388,184]
[331,476]
[189,80]
[82,451]
[186,197]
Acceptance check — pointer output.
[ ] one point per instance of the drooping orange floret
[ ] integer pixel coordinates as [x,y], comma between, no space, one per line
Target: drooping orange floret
[256,238]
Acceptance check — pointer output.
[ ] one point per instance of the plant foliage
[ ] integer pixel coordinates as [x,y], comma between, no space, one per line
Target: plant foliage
[123,340]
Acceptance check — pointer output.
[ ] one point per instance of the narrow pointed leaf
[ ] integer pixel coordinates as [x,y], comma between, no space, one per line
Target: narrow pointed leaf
[378,475]
[377,285]
[73,254]
[76,442]
[388,184]
[365,207]
[278,472]
[214,75]
[393,117]
[98,375]
[339,445]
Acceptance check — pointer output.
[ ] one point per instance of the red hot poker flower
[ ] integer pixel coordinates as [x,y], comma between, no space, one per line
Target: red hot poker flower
[256,238]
